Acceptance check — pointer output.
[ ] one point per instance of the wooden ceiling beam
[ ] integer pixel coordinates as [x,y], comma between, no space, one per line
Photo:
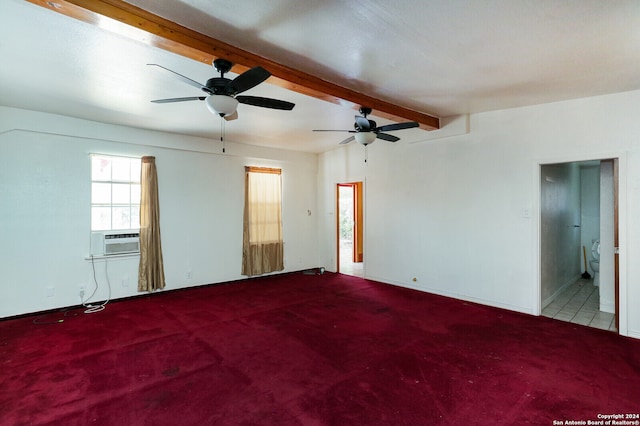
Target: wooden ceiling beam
[151,29]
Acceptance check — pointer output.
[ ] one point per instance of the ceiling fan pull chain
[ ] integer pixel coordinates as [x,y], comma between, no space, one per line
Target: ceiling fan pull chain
[366,153]
[222,133]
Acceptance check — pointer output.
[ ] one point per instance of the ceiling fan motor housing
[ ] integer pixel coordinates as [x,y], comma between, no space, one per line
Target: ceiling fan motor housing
[372,125]
[217,85]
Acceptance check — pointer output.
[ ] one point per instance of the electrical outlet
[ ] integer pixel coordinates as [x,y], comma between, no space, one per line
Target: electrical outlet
[51,291]
[81,291]
[189,274]
[125,281]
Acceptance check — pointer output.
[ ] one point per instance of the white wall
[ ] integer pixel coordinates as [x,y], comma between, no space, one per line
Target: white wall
[45,208]
[452,211]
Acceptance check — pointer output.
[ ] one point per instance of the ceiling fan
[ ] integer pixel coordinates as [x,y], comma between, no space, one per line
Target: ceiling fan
[222,94]
[366,131]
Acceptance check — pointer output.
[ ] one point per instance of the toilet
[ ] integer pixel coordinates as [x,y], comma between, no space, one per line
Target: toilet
[595,262]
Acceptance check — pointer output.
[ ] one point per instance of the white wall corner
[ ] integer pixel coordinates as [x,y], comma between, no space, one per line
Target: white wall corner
[453,125]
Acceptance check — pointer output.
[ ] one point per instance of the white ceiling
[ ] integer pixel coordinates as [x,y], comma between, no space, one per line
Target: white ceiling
[440,57]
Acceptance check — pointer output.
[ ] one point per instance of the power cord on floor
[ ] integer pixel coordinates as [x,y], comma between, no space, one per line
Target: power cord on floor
[99,306]
[90,308]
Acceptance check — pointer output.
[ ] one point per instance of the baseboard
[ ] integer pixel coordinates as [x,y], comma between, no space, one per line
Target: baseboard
[546,302]
[169,288]
[607,307]
[457,296]
[633,334]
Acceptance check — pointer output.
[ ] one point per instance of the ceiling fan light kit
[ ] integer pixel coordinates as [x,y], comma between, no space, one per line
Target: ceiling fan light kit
[221,105]
[365,138]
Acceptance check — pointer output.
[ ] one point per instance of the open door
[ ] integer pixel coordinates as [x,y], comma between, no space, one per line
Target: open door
[350,228]
[616,244]
[611,176]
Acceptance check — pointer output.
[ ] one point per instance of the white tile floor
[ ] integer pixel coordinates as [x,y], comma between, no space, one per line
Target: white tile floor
[580,304]
[347,266]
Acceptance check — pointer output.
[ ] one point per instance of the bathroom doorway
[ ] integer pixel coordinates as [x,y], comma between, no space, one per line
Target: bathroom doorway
[578,210]
[350,229]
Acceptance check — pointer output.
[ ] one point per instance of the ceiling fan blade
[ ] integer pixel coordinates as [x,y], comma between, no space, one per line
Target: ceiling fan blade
[347,140]
[231,117]
[363,123]
[386,137]
[185,79]
[265,102]
[398,126]
[247,80]
[191,98]
[323,130]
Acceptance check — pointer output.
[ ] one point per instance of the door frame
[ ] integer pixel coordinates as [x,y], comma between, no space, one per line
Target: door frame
[358,213]
[620,232]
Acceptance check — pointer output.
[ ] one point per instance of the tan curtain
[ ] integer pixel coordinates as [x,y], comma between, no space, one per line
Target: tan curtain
[262,247]
[151,268]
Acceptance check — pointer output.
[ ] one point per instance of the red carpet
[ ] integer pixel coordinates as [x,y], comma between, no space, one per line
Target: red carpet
[309,350]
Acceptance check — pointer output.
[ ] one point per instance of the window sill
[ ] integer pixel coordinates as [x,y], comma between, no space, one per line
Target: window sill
[104,258]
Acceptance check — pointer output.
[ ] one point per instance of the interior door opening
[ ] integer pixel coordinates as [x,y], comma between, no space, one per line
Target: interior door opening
[579,275]
[350,229]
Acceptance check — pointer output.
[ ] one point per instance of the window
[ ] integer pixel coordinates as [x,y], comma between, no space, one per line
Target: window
[262,248]
[264,204]
[115,193]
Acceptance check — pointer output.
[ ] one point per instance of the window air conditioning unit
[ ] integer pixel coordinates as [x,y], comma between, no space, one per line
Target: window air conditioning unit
[116,242]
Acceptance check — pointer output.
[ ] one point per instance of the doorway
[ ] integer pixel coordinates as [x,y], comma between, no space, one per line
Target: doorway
[578,218]
[350,229]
